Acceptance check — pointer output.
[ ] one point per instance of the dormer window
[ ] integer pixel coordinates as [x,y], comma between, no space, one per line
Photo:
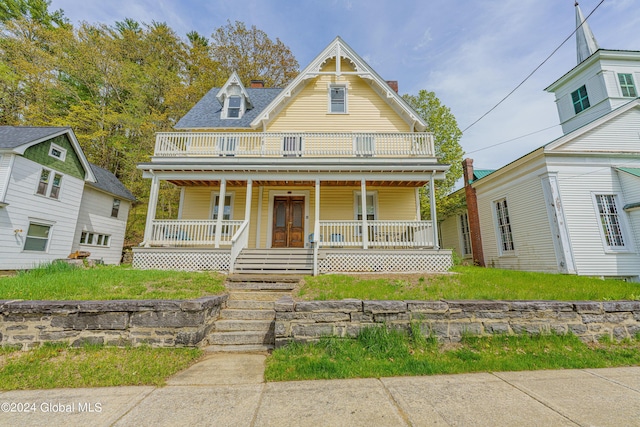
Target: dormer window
[233,108]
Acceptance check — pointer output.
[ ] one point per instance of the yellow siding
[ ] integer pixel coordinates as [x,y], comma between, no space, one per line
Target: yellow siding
[367,111]
[197,202]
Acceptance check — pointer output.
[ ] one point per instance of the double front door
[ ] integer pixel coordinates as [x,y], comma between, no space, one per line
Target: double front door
[288,222]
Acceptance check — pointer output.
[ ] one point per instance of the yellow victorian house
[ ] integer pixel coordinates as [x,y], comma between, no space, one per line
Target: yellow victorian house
[321,176]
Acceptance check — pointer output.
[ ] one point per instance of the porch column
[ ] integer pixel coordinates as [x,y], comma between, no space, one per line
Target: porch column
[247,206]
[434,220]
[151,210]
[221,197]
[316,229]
[363,203]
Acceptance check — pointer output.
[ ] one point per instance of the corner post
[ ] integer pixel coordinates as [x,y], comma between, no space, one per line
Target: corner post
[363,207]
[221,197]
[434,219]
[151,210]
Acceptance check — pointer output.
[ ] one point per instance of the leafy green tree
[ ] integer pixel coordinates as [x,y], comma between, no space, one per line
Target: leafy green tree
[253,55]
[442,123]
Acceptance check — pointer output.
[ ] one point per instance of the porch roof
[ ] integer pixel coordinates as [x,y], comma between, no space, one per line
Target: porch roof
[279,183]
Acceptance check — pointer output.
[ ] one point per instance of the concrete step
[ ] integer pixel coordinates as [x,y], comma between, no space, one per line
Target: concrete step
[250,304]
[239,348]
[240,314]
[245,325]
[265,278]
[241,337]
[257,295]
[261,286]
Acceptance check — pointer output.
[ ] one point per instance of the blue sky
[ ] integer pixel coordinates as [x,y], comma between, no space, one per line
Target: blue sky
[470,53]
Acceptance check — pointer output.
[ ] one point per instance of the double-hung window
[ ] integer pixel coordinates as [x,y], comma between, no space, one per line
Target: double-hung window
[338,99]
[227,212]
[233,107]
[611,227]
[48,186]
[504,227]
[465,235]
[580,99]
[115,208]
[627,87]
[37,237]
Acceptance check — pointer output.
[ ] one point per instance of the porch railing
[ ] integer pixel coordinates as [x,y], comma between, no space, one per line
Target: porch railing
[239,241]
[380,234]
[186,232]
[303,144]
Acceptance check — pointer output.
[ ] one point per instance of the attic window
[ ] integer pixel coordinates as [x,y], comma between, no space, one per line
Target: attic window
[338,99]
[233,108]
[57,152]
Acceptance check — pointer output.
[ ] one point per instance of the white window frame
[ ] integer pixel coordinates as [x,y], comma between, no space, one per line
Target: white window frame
[48,191]
[63,152]
[346,97]
[97,239]
[49,235]
[356,195]
[215,194]
[622,223]
[502,251]
[463,221]
[633,85]
[360,141]
[225,109]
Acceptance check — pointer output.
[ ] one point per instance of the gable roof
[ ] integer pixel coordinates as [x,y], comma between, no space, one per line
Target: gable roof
[108,182]
[206,113]
[339,49]
[17,139]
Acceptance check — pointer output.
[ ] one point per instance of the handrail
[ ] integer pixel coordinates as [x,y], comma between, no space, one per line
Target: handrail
[239,241]
[339,234]
[294,144]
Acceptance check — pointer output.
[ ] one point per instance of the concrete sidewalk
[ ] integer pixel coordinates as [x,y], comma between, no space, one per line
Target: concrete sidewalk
[228,390]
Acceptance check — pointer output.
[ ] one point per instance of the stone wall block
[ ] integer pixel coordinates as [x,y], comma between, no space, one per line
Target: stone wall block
[281,328]
[616,306]
[620,333]
[578,329]
[285,304]
[89,340]
[391,317]
[457,329]
[588,307]
[541,305]
[311,330]
[167,319]
[190,338]
[478,305]
[427,306]
[91,321]
[345,305]
[330,317]
[376,307]
[530,328]
[361,317]
[496,328]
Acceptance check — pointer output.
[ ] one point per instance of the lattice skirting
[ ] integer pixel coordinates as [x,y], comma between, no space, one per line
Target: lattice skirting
[181,260]
[361,262]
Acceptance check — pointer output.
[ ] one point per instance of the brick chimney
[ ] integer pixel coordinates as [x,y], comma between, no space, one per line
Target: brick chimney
[393,84]
[257,84]
[472,211]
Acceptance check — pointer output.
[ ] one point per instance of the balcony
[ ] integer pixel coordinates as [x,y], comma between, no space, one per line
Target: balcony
[304,144]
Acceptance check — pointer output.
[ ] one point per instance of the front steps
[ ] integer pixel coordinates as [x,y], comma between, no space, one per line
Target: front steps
[247,322]
[274,261]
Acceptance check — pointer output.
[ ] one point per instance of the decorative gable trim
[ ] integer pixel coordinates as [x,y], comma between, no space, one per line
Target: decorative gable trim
[339,50]
[228,91]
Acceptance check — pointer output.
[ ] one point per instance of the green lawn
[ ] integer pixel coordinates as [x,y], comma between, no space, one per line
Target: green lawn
[60,366]
[467,283]
[60,281]
[378,352]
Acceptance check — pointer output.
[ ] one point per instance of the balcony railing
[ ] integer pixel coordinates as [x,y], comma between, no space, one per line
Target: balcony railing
[188,233]
[383,234]
[269,144]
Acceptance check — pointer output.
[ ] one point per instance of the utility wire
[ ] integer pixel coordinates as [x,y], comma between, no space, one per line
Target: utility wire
[536,69]
[510,140]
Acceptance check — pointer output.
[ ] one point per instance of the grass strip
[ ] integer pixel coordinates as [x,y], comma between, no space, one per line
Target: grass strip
[379,352]
[469,283]
[61,281]
[59,366]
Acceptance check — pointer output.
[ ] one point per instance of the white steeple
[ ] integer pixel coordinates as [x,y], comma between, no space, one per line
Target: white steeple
[586,43]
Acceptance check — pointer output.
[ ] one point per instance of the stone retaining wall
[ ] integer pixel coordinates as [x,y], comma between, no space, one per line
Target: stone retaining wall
[449,320]
[159,323]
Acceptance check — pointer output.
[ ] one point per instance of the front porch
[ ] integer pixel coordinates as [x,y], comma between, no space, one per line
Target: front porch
[294,261]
